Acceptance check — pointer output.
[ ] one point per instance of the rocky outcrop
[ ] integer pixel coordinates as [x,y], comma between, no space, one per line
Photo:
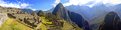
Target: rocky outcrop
[3,18]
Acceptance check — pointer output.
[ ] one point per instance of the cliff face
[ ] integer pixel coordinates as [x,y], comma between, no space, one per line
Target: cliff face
[111,22]
[60,11]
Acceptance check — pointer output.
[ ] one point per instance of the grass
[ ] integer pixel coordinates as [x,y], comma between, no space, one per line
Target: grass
[66,25]
[45,21]
[43,27]
[11,24]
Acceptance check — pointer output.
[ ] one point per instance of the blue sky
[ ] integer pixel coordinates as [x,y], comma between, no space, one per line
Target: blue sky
[48,4]
[32,4]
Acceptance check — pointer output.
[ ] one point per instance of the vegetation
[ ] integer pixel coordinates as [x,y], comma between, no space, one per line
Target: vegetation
[41,13]
[51,17]
[44,21]
[50,25]
[12,24]
[53,22]
[60,24]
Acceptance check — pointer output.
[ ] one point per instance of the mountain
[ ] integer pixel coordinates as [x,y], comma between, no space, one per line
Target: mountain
[61,11]
[117,9]
[111,22]
[50,10]
[93,15]
[75,18]
[89,13]
[37,11]
[27,10]
[79,20]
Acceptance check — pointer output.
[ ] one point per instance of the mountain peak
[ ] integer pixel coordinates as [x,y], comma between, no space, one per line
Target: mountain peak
[59,7]
[112,13]
[61,11]
[59,4]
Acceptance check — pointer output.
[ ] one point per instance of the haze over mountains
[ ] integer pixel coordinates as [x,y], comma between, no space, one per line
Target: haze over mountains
[73,17]
[81,14]
[91,11]
[89,18]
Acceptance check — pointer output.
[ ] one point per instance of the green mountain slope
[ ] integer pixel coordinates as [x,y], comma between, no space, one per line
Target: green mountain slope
[12,24]
[15,19]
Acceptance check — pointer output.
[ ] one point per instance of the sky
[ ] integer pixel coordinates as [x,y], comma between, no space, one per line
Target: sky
[48,4]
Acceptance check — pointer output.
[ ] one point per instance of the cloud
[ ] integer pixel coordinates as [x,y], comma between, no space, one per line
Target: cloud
[24,5]
[15,5]
[76,2]
[85,2]
[32,8]
[56,2]
[115,1]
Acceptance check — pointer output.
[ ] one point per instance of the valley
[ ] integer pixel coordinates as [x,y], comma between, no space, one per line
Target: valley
[60,17]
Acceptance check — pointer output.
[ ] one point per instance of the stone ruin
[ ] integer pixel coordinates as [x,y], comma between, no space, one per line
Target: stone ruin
[22,17]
